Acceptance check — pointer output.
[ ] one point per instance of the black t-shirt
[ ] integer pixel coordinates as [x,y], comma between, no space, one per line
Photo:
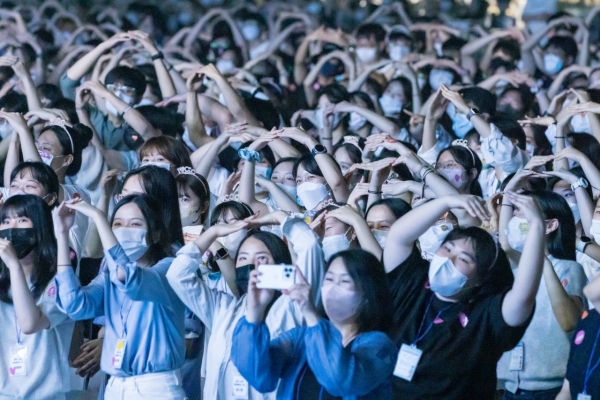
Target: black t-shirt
[463,346]
[586,334]
[307,387]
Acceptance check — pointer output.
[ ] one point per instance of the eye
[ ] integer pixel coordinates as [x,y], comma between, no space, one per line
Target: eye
[116,224]
[23,220]
[144,160]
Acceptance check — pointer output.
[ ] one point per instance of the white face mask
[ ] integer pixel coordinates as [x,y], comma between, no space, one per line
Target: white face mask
[357,121]
[160,164]
[529,149]
[291,191]
[366,54]
[390,105]
[340,304]
[133,241]
[595,230]
[188,215]
[5,129]
[575,210]
[250,32]
[580,124]
[461,125]
[334,244]
[398,52]
[319,117]
[265,173]
[454,176]
[433,238]
[46,157]
[552,64]
[439,77]
[517,233]
[232,242]
[444,278]
[112,110]
[225,66]
[437,46]
[380,236]
[311,194]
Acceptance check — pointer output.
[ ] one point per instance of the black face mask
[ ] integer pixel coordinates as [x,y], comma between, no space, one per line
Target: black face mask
[242,276]
[22,239]
[510,112]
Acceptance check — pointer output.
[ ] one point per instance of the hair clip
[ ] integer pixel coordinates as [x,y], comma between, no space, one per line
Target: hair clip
[353,140]
[63,124]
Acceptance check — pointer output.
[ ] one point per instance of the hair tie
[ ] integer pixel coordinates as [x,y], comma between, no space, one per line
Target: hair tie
[352,140]
[62,123]
[191,171]
[465,144]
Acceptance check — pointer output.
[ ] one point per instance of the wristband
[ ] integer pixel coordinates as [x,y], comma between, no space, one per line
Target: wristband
[157,56]
[508,205]
[374,192]
[249,155]
[582,243]
[127,110]
[64,265]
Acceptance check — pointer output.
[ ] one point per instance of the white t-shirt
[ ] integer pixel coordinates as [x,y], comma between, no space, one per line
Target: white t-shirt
[47,364]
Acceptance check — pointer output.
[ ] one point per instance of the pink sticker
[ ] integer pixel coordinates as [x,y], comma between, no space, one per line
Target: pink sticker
[438,320]
[579,337]
[457,177]
[427,286]
[464,320]
[12,371]
[51,291]
[72,255]
[564,282]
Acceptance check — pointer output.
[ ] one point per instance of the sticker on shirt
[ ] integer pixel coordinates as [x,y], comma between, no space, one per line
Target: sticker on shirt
[408,359]
[579,336]
[117,360]
[582,396]
[517,357]
[240,387]
[51,292]
[463,319]
[17,361]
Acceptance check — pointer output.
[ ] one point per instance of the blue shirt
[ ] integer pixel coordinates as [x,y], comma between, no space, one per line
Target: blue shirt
[144,309]
[360,370]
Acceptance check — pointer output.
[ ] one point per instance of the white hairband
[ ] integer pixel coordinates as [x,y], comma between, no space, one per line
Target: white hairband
[465,144]
[353,140]
[191,171]
[62,123]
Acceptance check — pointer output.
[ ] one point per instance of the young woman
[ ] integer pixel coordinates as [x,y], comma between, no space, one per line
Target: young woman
[144,340]
[559,301]
[339,233]
[220,311]
[462,308]
[348,152]
[341,352]
[36,333]
[382,214]
[194,202]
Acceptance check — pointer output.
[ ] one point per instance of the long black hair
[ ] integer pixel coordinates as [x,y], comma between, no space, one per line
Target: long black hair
[160,185]
[42,173]
[277,247]
[44,260]
[370,279]
[73,142]
[157,238]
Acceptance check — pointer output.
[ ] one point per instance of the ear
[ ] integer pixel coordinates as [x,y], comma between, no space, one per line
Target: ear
[474,172]
[51,199]
[552,225]
[204,207]
[68,160]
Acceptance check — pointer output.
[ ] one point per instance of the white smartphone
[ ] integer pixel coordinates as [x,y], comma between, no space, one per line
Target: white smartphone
[277,277]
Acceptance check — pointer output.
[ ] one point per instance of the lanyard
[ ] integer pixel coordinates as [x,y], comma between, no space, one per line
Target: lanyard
[124,320]
[419,336]
[18,330]
[588,371]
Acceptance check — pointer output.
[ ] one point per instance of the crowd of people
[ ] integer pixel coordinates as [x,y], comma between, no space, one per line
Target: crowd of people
[432,191]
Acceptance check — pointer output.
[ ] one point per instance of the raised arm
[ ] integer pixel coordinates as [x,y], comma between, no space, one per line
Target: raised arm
[367,241]
[85,63]
[167,88]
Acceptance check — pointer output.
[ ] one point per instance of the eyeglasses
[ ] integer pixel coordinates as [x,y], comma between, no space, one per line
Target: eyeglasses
[126,90]
[449,166]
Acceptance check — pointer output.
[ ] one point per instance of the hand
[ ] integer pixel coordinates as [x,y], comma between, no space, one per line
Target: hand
[417,120]
[88,362]
[456,99]
[344,106]
[97,88]
[210,71]
[274,218]
[570,153]
[582,96]
[257,299]
[300,294]
[8,254]
[474,205]
[263,141]
[227,229]
[110,181]
[538,161]
[117,38]
[15,120]
[543,121]
[298,135]
[557,103]
[82,96]
[586,107]
[396,187]
[230,183]
[144,39]
[194,82]
[563,174]
[63,217]
[316,223]
[528,206]
[85,208]
[519,178]
[345,214]
[438,106]
[46,114]
[412,161]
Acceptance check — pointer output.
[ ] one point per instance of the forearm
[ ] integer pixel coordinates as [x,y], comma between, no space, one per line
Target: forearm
[194,122]
[234,102]
[246,189]
[12,158]
[594,124]
[83,65]
[33,100]
[565,309]
[560,145]
[167,87]
[300,70]
[28,147]
[132,116]
[63,260]
[30,318]
[429,138]
[475,45]
[366,239]
[283,201]
[586,209]
[333,176]
[381,122]
[107,237]
[481,125]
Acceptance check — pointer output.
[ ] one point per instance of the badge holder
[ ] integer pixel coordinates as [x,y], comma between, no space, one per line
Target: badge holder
[240,387]
[17,361]
[517,357]
[408,359]
[117,360]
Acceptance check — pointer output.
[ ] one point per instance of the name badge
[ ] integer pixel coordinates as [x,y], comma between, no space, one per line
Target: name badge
[582,396]
[117,360]
[517,357]
[17,360]
[240,387]
[408,359]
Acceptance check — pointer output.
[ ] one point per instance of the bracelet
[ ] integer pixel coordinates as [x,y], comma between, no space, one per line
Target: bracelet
[127,110]
[327,138]
[64,265]
[249,155]
[560,137]
[508,205]
[157,56]
[374,192]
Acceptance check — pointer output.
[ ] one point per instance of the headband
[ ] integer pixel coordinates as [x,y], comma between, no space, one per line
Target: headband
[465,144]
[192,172]
[61,123]
[352,140]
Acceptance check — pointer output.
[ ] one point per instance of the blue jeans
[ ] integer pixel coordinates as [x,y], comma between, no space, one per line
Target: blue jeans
[549,394]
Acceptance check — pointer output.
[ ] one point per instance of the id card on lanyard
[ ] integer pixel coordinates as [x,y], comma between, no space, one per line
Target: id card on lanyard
[589,370]
[121,345]
[17,355]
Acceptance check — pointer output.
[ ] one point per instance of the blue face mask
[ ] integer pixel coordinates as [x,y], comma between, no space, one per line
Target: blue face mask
[461,125]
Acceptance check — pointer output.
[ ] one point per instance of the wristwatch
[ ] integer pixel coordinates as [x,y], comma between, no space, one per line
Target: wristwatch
[582,243]
[318,149]
[221,254]
[471,113]
[581,182]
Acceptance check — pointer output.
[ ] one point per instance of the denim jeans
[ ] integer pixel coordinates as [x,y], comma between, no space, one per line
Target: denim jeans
[549,394]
